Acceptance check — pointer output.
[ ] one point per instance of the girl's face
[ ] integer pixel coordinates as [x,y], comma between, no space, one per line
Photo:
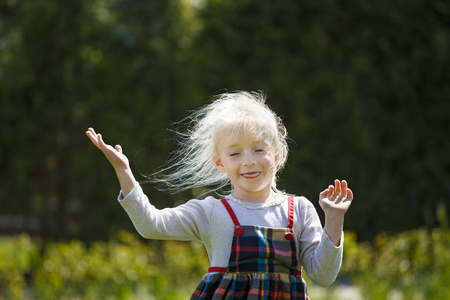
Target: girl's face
[248,162]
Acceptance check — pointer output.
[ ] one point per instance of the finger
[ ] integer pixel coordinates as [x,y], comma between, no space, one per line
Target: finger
[330,192]
[337,186]
[89,134]
[325,192]
[344,188]
[118,148]
[101,143]
[91,131]
[331,189]
[349,194]
[93,138]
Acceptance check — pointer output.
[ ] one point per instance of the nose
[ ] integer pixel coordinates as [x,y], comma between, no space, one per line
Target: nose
[248,159]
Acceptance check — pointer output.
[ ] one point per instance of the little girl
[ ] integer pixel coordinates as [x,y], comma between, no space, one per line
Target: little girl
[257,237]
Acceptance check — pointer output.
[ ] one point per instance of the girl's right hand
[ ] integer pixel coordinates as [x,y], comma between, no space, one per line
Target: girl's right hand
[114,155]
[117,159]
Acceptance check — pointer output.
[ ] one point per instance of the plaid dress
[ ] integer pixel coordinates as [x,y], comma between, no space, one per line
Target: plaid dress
[262,265]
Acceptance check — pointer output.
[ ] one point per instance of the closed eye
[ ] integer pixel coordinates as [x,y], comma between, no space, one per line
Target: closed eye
[234,154]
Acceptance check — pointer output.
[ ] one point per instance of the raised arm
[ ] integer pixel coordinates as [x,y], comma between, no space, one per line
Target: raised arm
[117,159]
[335,201]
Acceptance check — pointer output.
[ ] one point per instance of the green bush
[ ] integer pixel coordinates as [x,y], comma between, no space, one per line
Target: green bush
[16,260]
[414,264]
[124,268]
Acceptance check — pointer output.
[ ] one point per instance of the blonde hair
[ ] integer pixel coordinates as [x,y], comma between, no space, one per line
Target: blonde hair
[191,165]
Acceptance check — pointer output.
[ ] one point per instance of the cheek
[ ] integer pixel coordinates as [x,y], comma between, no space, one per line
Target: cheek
[228,163]
[270,162]
[271,157]
[232,164]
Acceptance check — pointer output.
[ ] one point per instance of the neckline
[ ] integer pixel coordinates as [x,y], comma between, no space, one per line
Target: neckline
[272,202]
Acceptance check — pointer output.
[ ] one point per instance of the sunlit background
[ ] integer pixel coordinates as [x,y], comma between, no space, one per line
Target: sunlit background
[362,86]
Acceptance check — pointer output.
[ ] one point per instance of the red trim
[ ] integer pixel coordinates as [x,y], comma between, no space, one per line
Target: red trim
[291,212]
[217,269]
[231,212]
[224,270]
[238,231]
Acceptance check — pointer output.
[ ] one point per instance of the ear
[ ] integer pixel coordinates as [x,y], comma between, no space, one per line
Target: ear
[279,150]
[276,154]
[218,163]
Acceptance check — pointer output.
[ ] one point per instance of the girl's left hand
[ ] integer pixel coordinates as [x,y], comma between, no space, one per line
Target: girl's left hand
[336,200]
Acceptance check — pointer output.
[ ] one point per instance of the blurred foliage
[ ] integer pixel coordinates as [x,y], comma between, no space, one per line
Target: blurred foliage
[414,264]
[123,268]
[17,259]
[362,87]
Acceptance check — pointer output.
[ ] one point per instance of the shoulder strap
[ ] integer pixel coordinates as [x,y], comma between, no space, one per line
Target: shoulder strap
[237,224]
[230,212]
[291,212]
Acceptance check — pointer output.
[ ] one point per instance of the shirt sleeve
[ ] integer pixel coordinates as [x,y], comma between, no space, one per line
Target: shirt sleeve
[319,256]
[186,222]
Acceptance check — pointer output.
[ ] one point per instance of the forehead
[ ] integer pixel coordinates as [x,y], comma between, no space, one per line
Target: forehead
[228,137]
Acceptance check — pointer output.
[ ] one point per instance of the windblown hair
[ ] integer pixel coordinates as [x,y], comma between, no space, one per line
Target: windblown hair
[191,165]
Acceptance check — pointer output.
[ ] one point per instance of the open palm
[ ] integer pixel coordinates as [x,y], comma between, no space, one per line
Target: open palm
[114,154]
[336,199]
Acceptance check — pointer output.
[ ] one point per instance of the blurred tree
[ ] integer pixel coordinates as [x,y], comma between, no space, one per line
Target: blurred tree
[39,111]
[67,66]
[362,88]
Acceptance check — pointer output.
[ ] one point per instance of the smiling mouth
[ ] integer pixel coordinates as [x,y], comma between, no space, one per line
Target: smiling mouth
[250,174]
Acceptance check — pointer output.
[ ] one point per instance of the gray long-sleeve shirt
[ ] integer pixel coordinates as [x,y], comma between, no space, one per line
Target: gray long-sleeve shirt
[208,222]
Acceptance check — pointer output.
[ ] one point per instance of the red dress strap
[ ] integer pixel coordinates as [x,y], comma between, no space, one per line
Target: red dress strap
[291,212]
[238,230]
[230,212]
